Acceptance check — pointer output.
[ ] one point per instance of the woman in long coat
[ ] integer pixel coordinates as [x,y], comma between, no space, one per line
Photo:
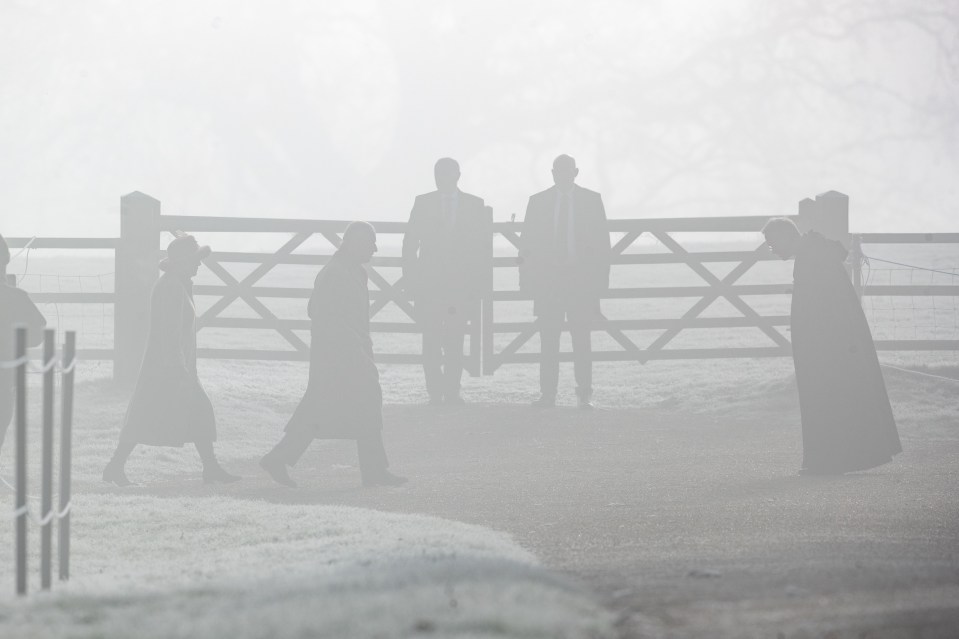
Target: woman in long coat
[343,399]
[169,406]
[847,421]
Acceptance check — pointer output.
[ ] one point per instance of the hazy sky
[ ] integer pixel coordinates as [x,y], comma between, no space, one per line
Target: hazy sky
[339,109]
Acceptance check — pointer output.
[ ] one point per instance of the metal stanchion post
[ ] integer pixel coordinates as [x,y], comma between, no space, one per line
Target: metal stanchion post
[46,461]
[20,544]
[66,435]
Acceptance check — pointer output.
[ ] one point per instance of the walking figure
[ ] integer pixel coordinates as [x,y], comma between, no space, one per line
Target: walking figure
[343,398]
[169,406]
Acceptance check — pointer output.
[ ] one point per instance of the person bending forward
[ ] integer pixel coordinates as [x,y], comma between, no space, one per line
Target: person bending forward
[847,421]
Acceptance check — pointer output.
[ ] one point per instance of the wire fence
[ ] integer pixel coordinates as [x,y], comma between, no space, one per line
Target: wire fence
[914,317]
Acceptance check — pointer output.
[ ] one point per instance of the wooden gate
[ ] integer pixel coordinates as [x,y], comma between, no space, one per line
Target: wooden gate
[711,289]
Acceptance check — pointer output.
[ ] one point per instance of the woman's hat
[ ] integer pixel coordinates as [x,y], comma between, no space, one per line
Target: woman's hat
[184,249]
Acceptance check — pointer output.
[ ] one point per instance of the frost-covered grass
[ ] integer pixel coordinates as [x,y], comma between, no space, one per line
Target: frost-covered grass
[217,567]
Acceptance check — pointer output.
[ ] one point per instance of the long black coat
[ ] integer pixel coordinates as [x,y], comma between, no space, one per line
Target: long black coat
[544,272]
[449,264]
[343,399]
[847,421]
[169,406]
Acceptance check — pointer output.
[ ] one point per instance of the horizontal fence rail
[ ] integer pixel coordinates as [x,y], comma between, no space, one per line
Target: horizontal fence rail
[495,339]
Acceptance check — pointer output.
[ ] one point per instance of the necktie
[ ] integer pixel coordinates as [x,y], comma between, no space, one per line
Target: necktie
[562,226]
[448,211]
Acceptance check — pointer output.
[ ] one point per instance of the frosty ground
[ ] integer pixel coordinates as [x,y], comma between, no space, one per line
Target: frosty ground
[673,510]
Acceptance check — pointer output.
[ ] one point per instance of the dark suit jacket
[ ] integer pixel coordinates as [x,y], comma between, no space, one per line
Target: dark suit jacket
[448,264]
[544,270]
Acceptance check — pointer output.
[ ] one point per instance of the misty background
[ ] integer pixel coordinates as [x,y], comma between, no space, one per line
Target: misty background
[339,109]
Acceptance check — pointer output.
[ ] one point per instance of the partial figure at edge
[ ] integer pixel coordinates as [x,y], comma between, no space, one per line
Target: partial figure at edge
[16,309]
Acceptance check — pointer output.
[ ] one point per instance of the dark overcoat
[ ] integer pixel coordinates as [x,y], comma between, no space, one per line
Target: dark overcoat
[16,309]
[545,272]
[448,263]
[847,421]
[169,406]
[343,399]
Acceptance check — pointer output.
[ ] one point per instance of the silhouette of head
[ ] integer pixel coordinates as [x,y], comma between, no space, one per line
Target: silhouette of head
[564,171]
[184,255]
[447,174]
[782,237]
[359,242]
[4,255]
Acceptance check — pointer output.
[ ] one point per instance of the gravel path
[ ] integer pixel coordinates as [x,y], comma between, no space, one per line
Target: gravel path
[689,525]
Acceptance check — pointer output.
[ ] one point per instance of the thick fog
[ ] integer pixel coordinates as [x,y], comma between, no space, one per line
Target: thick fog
[608,319]
[338,109]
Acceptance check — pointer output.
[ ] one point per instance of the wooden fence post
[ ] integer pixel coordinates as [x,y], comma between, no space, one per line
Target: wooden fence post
[66,453]
[20,465]
[828,214]
[46,461]
[137,263]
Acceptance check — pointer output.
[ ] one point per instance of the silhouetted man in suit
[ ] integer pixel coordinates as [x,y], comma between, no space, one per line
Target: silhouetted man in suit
[564,264]
[447,252]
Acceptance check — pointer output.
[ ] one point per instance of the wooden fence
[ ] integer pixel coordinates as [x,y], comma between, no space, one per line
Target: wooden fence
[137,254]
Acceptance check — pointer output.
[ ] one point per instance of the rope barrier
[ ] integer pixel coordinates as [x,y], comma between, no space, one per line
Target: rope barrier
[20,512]
[52,364]
[46,367]
[12,488]
[46,518]
[16,363]
[66,510]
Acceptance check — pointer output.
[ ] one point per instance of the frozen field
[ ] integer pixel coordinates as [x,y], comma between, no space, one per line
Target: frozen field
[674,510]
